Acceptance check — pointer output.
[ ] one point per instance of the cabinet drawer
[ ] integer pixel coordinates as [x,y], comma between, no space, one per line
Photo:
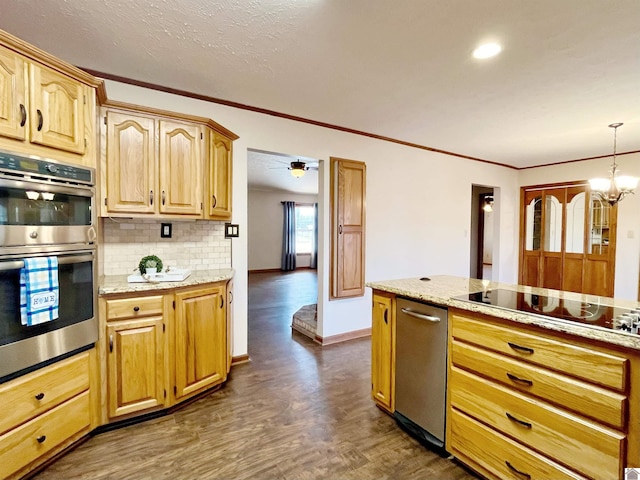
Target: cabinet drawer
[134,307]
[500,455]
[32,394]
[21,446]
[582,445]
[585,363]
[567,392]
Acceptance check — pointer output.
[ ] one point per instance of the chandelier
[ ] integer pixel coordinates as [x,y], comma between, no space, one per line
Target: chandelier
[615,188]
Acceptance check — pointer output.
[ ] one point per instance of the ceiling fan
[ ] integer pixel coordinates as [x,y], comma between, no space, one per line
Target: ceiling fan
[299,168]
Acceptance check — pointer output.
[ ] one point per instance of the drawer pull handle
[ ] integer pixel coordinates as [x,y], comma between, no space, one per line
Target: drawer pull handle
[136,308]
[421,316]
[520,348]
[41,438]
[522,381]
[517,420]
[40,396]
[524,475]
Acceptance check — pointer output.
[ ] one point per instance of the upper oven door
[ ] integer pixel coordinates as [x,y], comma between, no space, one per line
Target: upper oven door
[37,212]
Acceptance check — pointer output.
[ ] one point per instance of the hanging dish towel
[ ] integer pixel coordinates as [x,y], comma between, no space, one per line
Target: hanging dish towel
[39,290]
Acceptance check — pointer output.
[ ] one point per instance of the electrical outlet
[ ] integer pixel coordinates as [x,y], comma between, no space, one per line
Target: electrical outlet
[165,230]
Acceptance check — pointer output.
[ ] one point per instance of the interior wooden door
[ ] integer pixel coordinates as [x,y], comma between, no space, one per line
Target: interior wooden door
[13,107]
[348,184]
[531,238]
[57,110]
[200,339]
[180,165]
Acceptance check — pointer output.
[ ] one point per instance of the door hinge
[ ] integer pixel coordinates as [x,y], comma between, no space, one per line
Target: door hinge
[174,304]
[85,143]
[175,390]
[201,136]
[105,201]
[105,119]
[163,328]
[84,99]
[165,393]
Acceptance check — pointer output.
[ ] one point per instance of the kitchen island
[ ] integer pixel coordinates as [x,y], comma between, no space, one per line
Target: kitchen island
[528,395]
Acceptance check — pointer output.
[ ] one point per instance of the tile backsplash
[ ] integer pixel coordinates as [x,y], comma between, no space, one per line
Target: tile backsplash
[199,245]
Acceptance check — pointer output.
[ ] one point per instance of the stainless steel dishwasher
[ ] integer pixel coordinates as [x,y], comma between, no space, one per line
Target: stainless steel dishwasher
[421,369]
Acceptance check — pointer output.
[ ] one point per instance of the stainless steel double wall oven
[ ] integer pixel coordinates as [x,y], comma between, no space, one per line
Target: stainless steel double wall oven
[46,209]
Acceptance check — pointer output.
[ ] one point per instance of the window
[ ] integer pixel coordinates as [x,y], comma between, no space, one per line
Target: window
[305,218]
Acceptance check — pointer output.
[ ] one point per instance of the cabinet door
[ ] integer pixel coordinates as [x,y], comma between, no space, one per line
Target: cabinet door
[348,182]
[220,176]
[383,351]
[135,365]
[200,339]
[180,165]
[57,110]
[229,315]
[13,112]
[131,167]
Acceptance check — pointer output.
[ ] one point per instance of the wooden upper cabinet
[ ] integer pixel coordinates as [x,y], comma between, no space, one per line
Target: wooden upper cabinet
[47,107]
[130,163]
[348,206]
[13,113]
[180,168]
[219,176]
[164,164]
[57,110]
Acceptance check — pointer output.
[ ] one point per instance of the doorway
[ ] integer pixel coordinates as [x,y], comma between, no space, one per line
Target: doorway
[482,233]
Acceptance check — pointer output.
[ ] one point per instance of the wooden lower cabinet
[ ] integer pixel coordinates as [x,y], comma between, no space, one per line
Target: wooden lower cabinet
[162,349]
[383,327]
[135,366]
[533,404]
[43,412]
[200,339]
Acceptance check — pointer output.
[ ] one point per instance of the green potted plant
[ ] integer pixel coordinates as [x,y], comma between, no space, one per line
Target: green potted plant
[150,265]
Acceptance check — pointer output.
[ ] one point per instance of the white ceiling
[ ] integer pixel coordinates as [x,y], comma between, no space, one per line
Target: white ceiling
[397,68]
[270,171]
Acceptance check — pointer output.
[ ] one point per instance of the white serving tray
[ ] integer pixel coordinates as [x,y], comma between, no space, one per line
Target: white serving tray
[172,275]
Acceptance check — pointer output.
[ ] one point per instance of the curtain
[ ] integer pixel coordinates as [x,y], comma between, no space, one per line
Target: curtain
[314,247]
[289,237]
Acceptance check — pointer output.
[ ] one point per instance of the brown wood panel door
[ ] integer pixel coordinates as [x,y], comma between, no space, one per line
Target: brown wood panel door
[348,207]
[135,365]
[180,166]
[382,351]
[200,339]
[13,106]
[131,163]
[531,238]
[220,176]
[57,110]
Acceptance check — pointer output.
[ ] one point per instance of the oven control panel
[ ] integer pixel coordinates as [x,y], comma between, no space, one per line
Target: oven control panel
[41,168]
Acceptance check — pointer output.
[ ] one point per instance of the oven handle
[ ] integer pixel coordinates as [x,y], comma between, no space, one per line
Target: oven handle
[18,264]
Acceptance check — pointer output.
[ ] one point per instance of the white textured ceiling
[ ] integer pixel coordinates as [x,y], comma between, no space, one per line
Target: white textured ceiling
[270,171]
[397,68]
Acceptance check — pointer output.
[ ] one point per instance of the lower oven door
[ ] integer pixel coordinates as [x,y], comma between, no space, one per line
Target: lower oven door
[23,348]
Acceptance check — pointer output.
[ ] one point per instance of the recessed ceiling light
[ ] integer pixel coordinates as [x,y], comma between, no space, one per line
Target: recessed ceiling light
[487,50]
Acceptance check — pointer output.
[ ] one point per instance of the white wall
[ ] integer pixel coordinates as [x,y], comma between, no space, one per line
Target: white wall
[418,204]
[264,231]
[628,240]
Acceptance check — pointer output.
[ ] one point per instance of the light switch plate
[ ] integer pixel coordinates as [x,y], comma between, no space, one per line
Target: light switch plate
[231,230]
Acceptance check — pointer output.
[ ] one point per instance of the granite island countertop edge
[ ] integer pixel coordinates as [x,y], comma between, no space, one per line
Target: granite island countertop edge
[442,289]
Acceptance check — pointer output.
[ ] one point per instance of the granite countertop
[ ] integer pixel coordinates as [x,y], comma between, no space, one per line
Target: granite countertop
[111,284]
[441,290]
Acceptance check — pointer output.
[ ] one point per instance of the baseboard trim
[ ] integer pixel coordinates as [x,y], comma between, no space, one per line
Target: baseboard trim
[343,337]
[265,270]
[240,359]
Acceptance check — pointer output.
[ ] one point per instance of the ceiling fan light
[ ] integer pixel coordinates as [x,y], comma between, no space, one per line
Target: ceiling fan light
[297,172]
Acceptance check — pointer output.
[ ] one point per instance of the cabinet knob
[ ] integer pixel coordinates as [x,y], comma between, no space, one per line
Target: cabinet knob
[40,396]
[40,119]
[23,115]
[41,438]
[136,308]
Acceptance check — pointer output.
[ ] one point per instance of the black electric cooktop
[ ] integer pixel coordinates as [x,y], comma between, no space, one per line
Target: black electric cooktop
[625,320]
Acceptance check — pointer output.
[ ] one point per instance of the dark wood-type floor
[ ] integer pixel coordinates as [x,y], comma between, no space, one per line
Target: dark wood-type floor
[297,411]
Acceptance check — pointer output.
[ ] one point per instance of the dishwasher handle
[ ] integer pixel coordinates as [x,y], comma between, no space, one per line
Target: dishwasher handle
[421,316]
